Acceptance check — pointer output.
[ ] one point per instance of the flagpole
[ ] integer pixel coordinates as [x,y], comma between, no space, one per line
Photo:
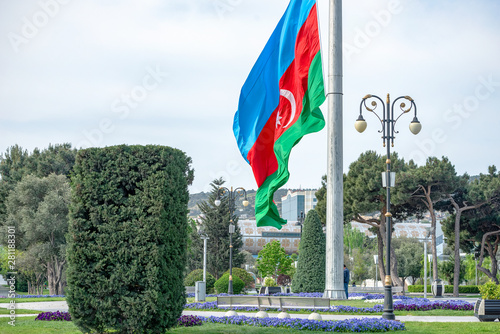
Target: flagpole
[334,280]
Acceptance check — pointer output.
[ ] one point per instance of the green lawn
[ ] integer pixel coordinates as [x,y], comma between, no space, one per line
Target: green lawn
[19,311]
[27,325]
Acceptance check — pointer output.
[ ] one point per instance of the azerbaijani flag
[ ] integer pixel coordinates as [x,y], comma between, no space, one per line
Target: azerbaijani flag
[279,104]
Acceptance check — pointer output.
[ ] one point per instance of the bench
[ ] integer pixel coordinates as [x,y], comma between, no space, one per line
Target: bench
[373,289]
[277,302]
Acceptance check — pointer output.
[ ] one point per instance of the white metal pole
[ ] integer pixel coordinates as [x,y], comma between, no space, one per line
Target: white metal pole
[205,259]
[425,268]
[475,261]
[334,282]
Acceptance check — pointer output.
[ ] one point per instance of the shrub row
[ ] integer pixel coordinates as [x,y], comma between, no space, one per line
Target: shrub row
[447,288]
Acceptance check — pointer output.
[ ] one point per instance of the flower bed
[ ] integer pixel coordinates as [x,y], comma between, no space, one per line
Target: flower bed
[189,321]
[35,296]
[56,316]
[424,304]
[401,303]
[348,325]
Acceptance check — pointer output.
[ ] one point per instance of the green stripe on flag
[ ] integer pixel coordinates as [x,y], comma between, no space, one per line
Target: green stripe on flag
[310,120]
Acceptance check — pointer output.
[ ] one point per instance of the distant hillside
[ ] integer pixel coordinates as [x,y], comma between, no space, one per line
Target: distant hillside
[244,212]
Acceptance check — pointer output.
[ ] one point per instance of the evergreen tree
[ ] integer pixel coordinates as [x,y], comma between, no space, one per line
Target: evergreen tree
[425,188]
[310,275]
[195,247]
[364,194]
[215,221]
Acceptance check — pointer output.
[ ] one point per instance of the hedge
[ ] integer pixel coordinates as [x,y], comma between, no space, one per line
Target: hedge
[127,238]
[447,288]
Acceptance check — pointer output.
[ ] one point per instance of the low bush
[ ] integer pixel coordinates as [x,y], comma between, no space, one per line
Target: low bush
[490,290]
[221,285]
[269,281]
[197,275]
[447,288]
[244,276]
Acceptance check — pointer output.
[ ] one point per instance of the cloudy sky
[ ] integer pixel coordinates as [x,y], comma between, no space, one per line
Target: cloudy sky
[169,72]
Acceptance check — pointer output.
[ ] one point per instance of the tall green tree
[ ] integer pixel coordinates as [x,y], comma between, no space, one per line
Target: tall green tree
[364,194]
[215,221]
[360,265]
[424,188]
[353,239]
[195,247]
[311,266]
[409,253]
[480,227]
[447,269]
[38,208]
[321,200]
[273,260]
[17,162]
[472,195]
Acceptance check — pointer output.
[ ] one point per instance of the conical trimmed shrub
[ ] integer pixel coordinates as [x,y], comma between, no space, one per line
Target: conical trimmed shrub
[310,275]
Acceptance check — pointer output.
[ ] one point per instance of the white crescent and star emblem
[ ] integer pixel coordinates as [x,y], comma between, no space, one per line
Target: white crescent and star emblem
[289,96]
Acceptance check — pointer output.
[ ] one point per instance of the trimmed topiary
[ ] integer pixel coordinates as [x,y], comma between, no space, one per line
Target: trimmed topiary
[244,276]
[127,238]
[221,285]
[310,275]
[197,275]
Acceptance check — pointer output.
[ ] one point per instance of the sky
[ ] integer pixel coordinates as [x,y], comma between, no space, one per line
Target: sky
[169,72]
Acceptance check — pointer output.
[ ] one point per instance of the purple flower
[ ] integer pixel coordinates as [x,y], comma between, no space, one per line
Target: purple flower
[348,325]
[189,321]
[57,316]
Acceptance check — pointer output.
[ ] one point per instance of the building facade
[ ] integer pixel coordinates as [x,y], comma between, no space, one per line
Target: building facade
[296,202]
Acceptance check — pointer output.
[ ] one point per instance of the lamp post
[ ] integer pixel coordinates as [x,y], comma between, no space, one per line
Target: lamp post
[425,260]
[375,259]
[387,122]
[300,222]
[231,195]
[204,237]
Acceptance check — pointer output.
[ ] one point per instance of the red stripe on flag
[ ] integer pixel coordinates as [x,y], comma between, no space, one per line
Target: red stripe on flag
[295,80]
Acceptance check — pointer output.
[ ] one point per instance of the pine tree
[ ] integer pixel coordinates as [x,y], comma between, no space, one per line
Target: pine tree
[215,222]
[310,275]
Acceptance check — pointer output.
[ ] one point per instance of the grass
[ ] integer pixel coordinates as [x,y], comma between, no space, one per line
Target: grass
[28,325]
[19,311]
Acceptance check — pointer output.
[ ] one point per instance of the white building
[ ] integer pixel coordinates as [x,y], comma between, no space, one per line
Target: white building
[296,202]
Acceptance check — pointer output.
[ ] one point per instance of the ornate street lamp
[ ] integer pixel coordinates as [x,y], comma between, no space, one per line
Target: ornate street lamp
[388,122]
[231,195]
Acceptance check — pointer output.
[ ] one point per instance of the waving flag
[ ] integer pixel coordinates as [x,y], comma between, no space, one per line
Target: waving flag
[279,104]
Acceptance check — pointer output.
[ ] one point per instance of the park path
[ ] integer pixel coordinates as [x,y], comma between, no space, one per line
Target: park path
[63,307]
